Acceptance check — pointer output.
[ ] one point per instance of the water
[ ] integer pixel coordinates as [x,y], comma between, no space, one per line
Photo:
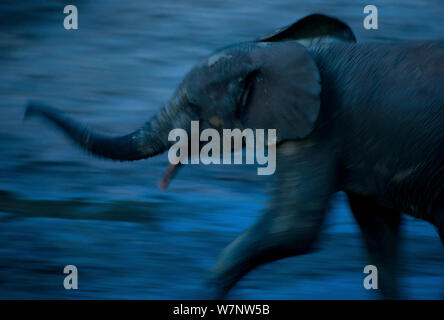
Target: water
[60,206]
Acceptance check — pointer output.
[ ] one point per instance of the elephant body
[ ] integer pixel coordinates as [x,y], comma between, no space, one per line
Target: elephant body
[366,119]
[387,121]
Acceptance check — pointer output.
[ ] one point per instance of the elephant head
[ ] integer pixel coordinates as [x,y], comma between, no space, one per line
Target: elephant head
[257,85]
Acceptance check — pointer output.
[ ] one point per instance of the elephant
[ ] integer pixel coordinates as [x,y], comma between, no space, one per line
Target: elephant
[363,118]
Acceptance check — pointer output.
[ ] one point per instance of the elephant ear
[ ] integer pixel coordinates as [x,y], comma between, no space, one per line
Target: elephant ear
[283,91]
[313,29]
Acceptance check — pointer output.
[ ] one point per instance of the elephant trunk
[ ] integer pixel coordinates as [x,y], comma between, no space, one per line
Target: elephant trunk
[149,140]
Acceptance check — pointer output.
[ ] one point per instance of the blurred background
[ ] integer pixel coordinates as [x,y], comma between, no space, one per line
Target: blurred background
[128,239]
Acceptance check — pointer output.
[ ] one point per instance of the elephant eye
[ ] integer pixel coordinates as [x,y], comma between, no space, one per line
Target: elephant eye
[247,90]
[194,107]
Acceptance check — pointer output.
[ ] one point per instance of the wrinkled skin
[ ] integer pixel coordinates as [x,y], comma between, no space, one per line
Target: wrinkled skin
[363,118]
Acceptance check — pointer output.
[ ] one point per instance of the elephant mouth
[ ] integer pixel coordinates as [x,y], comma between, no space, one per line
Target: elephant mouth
[169,174]
[210,146]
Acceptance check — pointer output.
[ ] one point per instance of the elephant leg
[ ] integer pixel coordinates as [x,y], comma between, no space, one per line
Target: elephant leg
[380,229]
[438,221]
[289,227]
[441,232]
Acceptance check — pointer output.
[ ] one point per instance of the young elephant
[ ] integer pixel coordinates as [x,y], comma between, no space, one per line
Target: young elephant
[363,118]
